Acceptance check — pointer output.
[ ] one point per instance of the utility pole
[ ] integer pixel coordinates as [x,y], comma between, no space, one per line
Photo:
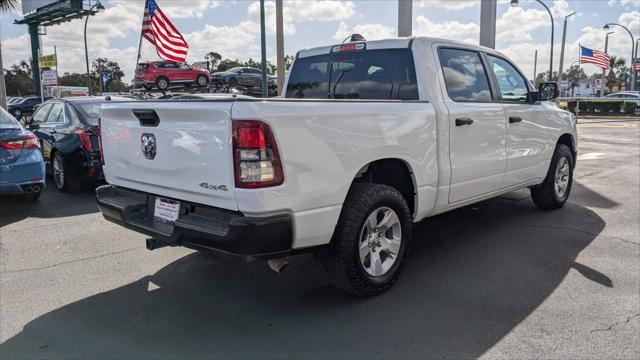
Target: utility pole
[603,78]
[535,67]
[564,38]
[488,23]
[280,46]
[3,88]
[263,45]
[405,21]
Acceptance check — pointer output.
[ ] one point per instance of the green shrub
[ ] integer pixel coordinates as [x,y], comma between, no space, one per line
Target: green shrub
[630,107]
[596,106]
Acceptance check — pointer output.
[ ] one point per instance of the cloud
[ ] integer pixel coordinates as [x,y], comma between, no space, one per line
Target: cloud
[195,8]
[517,23]
[449,4]
[369,31]
[298,11]
[454,30]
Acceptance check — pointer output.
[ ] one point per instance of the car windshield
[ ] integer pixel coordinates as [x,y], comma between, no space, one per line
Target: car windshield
[7,121]
[90,110]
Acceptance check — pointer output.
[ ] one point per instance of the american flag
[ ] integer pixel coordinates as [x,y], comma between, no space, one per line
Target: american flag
[598,58]
[156,27]
[636,65]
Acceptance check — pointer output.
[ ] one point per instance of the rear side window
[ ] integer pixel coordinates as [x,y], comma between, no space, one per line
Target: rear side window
[386,74]
[464,75]
[143,67]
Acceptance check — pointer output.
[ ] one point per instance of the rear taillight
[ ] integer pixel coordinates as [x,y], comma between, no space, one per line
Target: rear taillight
[88,140]
[255,155]
[27,142]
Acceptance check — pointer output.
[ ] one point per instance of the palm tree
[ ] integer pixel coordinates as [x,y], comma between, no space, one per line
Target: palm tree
[616,72]
[8,5]
[5,5]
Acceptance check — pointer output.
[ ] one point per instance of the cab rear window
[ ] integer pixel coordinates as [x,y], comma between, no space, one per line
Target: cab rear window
[385,74]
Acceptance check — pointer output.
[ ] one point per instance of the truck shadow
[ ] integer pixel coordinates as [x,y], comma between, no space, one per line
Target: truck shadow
[473,276]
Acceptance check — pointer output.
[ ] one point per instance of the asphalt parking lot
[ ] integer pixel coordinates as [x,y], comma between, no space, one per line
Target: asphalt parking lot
[499,279]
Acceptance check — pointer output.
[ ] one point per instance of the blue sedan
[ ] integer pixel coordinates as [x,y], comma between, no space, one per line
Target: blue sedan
[21,163]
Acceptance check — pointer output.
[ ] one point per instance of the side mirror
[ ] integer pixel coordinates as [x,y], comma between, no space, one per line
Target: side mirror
[548,91]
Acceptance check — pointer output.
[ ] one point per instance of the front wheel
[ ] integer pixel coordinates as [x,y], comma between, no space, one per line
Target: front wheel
[554,191]
[371,241]
[162,83]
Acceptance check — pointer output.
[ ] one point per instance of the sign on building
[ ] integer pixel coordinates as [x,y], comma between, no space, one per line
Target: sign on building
[47,61]
[49,77]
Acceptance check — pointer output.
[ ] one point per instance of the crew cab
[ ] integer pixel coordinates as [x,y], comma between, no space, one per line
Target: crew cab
[368,138]
[163,75]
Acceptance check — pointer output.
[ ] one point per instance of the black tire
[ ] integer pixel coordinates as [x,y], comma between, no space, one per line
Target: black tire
[233,82]
[162,83]
[343,264]
[546,195]
[201,81]
[68,183]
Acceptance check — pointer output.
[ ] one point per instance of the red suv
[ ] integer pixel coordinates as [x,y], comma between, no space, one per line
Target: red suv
[162,75]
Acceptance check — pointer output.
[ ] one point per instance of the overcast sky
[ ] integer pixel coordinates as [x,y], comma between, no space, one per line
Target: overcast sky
[232,28]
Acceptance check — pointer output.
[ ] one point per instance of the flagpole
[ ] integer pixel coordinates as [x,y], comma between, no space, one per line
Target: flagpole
[139,45]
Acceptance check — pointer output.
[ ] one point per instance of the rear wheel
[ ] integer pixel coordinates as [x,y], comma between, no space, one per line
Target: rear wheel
[202,80]
[371,240]
[62,177]
[162,83]
[554,191]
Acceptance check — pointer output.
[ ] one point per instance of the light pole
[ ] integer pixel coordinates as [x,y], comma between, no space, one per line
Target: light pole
[603,78]
[633,44]
[514,3]
[99,8]
[564,38]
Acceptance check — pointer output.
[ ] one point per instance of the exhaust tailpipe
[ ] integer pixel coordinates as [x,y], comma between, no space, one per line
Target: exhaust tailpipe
[28,190]
[278,265]
[153,244]
[36,188]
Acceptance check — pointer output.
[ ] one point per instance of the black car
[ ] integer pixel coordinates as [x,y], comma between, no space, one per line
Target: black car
[241,76]
[68,131]
[24,106]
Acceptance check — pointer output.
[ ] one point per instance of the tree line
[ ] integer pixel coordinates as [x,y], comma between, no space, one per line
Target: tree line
[19,79]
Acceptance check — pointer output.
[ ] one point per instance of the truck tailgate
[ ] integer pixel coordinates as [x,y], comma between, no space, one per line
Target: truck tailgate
[193,155]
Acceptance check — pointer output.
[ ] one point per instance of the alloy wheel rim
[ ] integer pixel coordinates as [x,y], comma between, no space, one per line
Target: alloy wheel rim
[380,240]
[162,84]
[561,183]
[58,172]
[202,81]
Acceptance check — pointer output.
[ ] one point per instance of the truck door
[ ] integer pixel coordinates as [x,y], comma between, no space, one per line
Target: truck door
[528,144]
[476,125]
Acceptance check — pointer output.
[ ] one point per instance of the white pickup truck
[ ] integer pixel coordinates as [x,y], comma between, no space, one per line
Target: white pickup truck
[368,138]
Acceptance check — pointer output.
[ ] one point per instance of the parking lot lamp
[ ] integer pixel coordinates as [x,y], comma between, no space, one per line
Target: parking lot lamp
[96,8]
[633,44]
[514,3]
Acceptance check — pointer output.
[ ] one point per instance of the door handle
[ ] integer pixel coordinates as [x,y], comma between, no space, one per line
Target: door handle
[463,121]
[514,119]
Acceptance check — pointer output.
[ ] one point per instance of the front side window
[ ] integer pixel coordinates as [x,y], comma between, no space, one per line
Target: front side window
[464,75]
[385,74]
[513,87]
[41,115]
